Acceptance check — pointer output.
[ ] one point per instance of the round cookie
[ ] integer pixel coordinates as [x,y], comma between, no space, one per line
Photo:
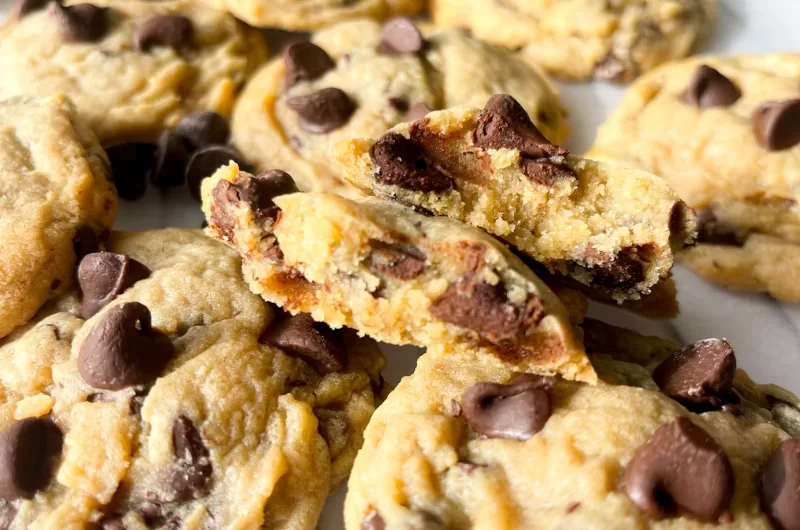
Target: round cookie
[466,444]
[583,39]
[131,67]
[184,401]
[56,200]
[368,79]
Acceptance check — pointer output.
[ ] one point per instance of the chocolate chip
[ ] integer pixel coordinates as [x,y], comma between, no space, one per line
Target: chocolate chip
[400,35]
[323,111]
[130,165]
[515,411]
[780,486]
[136,402]
[403,262]
[401,163]
[206,161]
[204,128]
[81,22]
[305,61]
[174,31]
[28,451]
[314,342]
[680,470]
[623,272]
[123,349]
[103,276]
[776,124]
[26,7]
[698,375]
[171,159]
[417,112]
[190,476]
[545,172]
[373,521]
[85,242]
[709,88]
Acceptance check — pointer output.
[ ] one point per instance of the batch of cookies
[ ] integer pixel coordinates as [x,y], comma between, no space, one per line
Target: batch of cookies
[394,175]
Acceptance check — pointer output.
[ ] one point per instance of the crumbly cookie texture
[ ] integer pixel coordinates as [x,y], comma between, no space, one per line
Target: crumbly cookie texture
[132,68]
[55,196]
[584,39]
[610,228]
[390,273]
[314,14]
[684,120]
[184,401]
[360,78]
[467,444]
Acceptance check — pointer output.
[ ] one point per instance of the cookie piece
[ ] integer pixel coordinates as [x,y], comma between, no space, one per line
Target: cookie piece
[466,444]
[360,78]
[56,201]
[584,39]
[185,402]
[684,120]
[132,68]
[610,228]
[395,275]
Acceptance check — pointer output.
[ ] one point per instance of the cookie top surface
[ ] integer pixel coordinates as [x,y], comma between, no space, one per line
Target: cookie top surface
[369,78]
[132,68]
[443,449]
[55,186]
[583,39]
[184,399]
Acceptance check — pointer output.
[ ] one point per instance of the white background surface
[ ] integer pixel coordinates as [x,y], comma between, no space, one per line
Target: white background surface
[764,333]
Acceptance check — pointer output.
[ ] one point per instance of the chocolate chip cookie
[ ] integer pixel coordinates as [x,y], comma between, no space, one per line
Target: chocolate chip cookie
[395,275]
[164,394]
[723,131]
[583,39]
[361,78]
[56,201]
[131,67]
[670,437]
[612,229]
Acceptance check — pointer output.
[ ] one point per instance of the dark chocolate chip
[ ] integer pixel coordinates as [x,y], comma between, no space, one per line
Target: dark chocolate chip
[314,342]
[403,262]
[399,103]
[515,411]
[373,521]
[123,349]
[699,375]
[206,161]
[417,112]
[85,242]
[28,452]
[780,486]
[305,61]
[112,522]
[103,276]
[190,477]
[624,272]
[26,7]
[611,68]
[776,124]
[174,31]
[680,470]
[401,163]
[323,111]
[81,22]
[204,128]
[545,172]
[130,165]
[711,230]
[709,88]
[400,35]
[171,159]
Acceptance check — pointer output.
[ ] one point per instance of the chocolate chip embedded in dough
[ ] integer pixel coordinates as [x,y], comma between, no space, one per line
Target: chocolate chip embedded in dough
[323,111]
[401,163]
[171,159]
[400,36]
[417,112]
[780,486]
[305,61]
[402,262]
[373,521]
[515,411]
[28,451]
[81,22]
[131,162]
[173,31]
[709,88]
[776,124]
[103,276]
[203,128]
[123,349]
[680,471]
[504,124]
[314,342]
[206,161]
[545,172]
[623,272]
[190,476]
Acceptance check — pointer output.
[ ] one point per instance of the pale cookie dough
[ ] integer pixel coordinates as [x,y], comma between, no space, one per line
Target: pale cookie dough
[55,196]
[610,228]
[313,14]
[582,39]
[722,131]
[468,444]
[395,275]
[354,82]
[129,73]
[171,407]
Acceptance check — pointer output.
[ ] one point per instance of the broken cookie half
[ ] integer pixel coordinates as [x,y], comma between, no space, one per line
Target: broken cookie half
[612,229]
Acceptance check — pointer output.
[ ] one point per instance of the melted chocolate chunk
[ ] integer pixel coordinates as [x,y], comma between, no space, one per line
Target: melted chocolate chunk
[402,262]
[401,163]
